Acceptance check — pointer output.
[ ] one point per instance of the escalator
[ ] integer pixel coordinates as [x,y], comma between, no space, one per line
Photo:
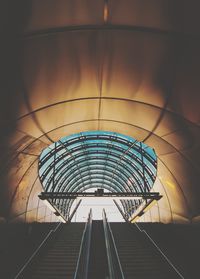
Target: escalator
[76,250]
[98,266]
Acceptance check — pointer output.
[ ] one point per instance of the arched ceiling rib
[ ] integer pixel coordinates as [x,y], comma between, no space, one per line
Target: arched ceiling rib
[60,166]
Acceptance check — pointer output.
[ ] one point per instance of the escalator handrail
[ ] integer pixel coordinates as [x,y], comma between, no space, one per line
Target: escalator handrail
[82,269]
[108,249]
[28,262]
[116,252]
[110,240]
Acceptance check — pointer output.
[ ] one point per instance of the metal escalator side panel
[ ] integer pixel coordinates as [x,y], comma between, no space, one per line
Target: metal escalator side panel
[115,268]
[84,251]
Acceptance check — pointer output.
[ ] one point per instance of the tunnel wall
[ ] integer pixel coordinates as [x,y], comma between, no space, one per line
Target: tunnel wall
[67,69]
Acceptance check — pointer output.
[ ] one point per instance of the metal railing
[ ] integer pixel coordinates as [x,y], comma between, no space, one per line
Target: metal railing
[158,249]
[84,252]
[29,262]
[114,265]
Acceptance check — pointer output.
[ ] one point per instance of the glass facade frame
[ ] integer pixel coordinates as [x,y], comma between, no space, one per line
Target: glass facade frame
[97,159]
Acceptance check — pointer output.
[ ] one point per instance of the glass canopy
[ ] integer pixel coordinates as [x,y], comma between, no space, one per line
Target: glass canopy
[97,159]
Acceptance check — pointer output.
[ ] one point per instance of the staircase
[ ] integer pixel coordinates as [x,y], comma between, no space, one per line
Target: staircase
[60,256]
[97,250]
[139,258]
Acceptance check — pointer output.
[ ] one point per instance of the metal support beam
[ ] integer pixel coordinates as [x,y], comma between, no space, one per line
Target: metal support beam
[74,211]
[98,193]
[121,211]
[142,210]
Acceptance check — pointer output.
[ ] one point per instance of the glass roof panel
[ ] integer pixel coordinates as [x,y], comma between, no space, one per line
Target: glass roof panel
[97,159]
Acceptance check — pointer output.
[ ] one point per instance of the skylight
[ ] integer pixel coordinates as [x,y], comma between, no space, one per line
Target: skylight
[97,159]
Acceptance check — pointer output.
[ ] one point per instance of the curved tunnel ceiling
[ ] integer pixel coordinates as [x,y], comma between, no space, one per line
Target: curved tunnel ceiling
[97,159]
[134,71]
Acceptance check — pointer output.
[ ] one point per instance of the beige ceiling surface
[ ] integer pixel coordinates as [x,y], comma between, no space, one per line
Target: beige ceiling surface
[125,66]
